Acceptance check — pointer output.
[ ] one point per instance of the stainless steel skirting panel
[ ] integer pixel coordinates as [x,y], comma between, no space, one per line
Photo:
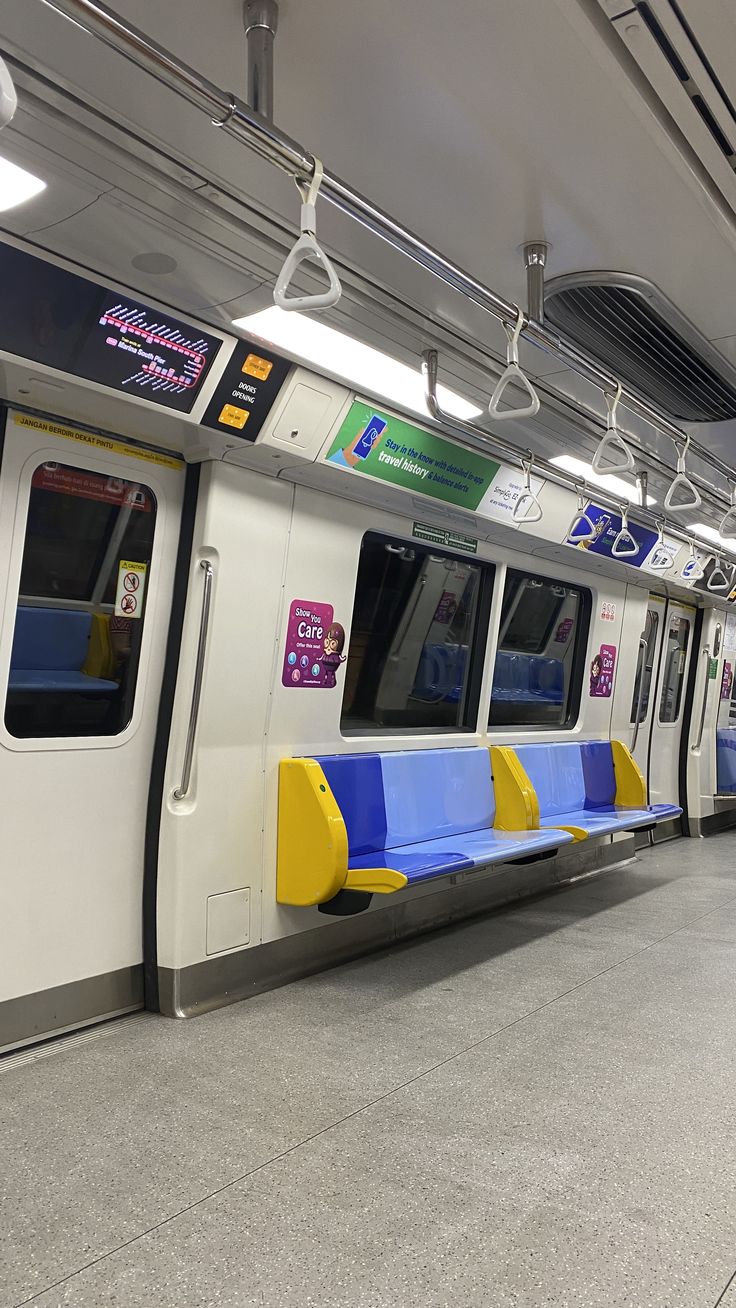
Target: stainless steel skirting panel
[189,991]
[64,1008]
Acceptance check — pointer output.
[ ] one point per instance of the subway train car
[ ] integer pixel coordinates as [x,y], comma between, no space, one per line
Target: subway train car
[345,593]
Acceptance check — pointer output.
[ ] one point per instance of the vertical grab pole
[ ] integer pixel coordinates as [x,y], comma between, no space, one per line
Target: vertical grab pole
[643,651]
[261,20]
[705,653]
[182,789]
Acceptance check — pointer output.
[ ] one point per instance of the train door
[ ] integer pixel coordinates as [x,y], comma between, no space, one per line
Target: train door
[643,707]
[704,775]
[669,702]
[89,531]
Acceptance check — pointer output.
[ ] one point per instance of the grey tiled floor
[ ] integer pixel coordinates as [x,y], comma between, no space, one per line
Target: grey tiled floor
[534,1108]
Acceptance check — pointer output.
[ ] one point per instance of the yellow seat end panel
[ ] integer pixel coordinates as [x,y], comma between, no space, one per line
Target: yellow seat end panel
[312,839]
[517,806]
[631,788]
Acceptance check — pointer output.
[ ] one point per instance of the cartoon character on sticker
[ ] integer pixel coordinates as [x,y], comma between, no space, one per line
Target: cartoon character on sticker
[596,670]
[332,655]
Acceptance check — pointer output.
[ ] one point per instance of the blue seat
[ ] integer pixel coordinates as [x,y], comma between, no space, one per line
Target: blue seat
[527,678]
[49,650]
[376,823]
[440,673]
[577,787]
[726,760]
[424,812]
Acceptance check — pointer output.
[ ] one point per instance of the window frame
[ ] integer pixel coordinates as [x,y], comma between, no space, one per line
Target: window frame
[477,642]
[578,662]
[103,465]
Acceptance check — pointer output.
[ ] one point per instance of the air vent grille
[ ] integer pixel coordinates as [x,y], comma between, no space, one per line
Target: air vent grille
[629,333]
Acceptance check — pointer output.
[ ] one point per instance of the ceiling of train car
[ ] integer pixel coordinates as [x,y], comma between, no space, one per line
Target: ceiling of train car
[479,127]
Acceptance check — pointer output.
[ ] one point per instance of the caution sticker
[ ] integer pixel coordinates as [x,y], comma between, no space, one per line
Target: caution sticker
[96,442]
[131,589]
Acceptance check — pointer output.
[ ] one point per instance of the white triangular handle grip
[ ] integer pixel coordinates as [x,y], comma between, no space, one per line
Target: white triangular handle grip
[728,523]
[305,249]
[612,441]
[513,373]
[582,519]
[682,482]
[696,572]
[532,513]
[723,583]
[622,546]
[665,563]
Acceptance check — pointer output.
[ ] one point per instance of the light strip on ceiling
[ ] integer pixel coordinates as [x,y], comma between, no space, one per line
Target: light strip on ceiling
[710,533]
[17,185]
[359,364]
[609,482]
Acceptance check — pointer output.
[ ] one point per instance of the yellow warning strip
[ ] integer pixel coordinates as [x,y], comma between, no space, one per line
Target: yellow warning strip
[94,441]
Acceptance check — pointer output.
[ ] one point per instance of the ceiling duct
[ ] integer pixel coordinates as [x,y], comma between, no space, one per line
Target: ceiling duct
[686,52]
[638,333]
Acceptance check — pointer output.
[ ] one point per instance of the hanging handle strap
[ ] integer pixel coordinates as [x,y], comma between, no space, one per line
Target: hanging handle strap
[660,561]
[307,248]
[693,569]
[727,525]
[624,546]
[612,453]
[532,510]
[682,486]
[513,373]
[718,581]
[581,519]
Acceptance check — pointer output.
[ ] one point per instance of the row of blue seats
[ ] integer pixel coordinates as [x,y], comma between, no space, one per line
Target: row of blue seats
[49,652]
[726,760]
[517,678]
[353,825]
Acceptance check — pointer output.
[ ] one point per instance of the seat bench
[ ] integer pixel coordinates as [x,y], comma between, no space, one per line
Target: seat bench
[588,788]
[354,825]
[49,650]
[726,760]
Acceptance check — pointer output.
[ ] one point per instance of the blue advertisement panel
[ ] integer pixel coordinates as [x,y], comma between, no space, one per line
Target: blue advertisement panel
[607,526]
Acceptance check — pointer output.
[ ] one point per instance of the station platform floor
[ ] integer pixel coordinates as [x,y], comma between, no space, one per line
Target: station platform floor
[536,1107]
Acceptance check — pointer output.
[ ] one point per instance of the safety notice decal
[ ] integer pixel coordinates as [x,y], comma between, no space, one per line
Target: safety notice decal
[95,441]
[131,589]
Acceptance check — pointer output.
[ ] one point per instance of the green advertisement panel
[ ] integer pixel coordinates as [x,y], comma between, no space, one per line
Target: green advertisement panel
[371,443]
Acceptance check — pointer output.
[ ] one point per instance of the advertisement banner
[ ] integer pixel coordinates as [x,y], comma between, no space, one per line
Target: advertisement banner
[607,526]
[373,444]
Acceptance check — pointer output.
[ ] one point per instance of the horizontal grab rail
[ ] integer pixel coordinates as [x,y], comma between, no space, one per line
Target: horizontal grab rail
[233,115]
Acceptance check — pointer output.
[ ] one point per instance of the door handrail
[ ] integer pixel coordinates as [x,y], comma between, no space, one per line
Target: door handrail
[705,652]
[637,721]
[182,789]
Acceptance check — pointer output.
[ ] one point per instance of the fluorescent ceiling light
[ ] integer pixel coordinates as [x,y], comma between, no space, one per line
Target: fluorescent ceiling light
[17,185]
[349,358]
[614,485]
[710,533]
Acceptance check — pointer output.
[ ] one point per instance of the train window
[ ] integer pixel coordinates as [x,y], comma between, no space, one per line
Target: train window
[79,617]
[538,673]
[645,663]
[675,658]
[418,618]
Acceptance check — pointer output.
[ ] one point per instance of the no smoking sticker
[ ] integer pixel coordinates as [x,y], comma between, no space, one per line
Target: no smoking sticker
[131,586]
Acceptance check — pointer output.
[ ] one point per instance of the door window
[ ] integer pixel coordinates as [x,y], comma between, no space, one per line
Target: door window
[675,659]
[81,606]
[645,664]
